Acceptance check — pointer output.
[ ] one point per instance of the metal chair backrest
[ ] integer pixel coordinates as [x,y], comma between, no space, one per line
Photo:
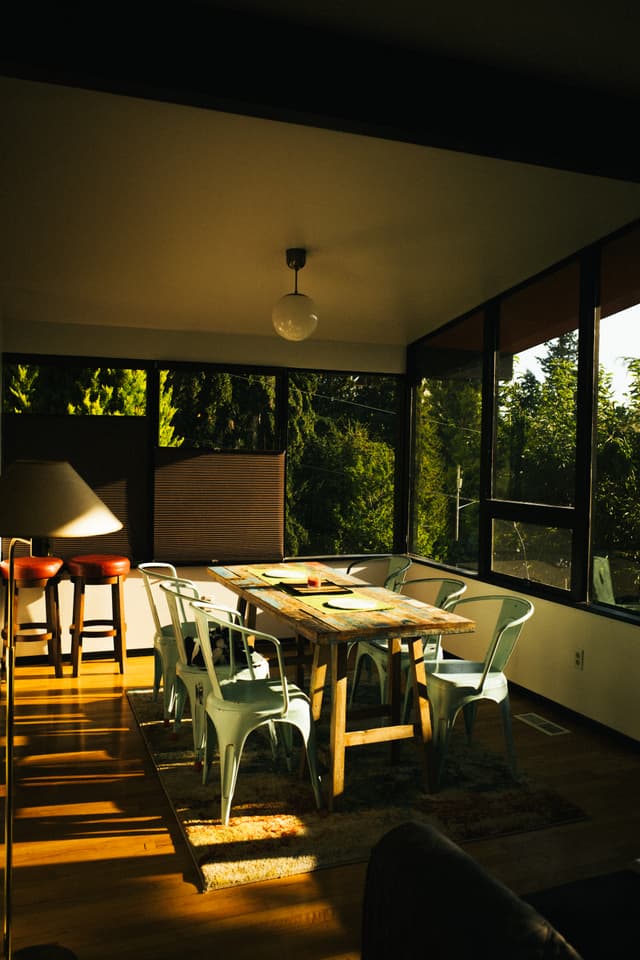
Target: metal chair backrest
[511,614]
[207,617]
[154,573]
[178,593]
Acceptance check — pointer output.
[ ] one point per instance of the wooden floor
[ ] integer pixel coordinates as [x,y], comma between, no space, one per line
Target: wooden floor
[99,865]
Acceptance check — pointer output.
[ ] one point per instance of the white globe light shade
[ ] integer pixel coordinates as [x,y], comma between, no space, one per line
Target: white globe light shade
[294,316]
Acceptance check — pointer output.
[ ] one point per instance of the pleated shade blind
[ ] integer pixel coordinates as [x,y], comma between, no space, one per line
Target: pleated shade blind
[226,507]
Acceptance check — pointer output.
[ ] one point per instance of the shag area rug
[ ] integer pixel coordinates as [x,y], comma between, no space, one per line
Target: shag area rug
[275,830]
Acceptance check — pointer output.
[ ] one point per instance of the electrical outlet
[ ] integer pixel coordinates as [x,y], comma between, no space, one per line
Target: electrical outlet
[579,659]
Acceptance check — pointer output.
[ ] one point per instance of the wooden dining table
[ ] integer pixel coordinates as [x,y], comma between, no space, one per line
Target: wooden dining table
[332,615]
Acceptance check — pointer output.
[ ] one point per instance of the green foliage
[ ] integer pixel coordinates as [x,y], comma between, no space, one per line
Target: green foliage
[166,431]
[347,479]
[537,449]
[341,463]
[616,515]
[536,430]
[446,446]
[20,387]
[66,389]
[222,411]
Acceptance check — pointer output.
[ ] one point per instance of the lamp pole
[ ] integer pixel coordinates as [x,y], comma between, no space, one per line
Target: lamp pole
[10,663]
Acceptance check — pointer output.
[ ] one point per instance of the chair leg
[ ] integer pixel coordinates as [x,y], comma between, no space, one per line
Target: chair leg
[157,673]
[169,694]
[469,712]
[442,735]
[168,657]
[273,739]
[357,671]
[287,739]
[198,725]
[505,710]
[302,721]
[181,696]
[229,763]
[310,750]
[210,737]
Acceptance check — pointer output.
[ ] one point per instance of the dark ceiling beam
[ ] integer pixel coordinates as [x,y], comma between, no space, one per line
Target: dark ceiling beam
[264,67]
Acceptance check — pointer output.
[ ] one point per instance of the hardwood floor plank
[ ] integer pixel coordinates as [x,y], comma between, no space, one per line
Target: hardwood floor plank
[100,865]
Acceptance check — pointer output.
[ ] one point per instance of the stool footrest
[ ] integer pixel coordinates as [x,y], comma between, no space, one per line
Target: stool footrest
[33,631]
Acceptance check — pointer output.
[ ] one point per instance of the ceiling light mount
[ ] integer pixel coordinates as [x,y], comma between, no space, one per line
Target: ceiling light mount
[294,315]
[296,258]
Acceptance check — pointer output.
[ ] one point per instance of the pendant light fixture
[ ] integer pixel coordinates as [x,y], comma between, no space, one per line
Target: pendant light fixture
[294,315]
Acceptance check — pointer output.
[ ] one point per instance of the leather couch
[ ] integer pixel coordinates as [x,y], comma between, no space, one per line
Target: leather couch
[425,897]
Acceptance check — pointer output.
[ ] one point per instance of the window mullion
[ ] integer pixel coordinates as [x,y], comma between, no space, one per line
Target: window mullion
[586,441]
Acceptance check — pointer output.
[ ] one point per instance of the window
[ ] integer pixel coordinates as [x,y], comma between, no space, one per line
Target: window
[535,411]
[343,434]
[445,483]
[536,395]
[615,534]
[53,388]
[551,481]
[217,410]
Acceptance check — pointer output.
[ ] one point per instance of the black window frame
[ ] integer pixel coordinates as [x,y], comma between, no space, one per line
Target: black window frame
[576,518]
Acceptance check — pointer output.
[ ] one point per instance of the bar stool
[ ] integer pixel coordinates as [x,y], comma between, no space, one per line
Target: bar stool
[98,569]
[36,573]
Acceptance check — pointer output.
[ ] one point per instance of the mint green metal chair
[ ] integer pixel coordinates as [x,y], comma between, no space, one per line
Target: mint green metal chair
[440,591]
[165,651]
[192,680]
[459,685]
[236,706]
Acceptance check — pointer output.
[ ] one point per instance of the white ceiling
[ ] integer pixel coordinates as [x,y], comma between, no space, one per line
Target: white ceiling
[128,211]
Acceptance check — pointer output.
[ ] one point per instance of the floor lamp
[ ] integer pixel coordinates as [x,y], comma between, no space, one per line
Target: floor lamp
[38,499]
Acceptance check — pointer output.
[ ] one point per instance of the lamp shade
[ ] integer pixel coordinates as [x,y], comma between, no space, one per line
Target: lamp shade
[47,498]
[294,316]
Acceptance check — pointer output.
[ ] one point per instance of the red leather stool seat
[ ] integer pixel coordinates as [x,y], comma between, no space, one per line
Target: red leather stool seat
[98,569]
[98,565]
[31,568]
[34,573]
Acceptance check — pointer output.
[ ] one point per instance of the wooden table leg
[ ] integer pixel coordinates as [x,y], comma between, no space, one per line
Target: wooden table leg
[418,677]
[394,681]
[317,681]
[338,721]
[318,678]
[248,612]
[300,647]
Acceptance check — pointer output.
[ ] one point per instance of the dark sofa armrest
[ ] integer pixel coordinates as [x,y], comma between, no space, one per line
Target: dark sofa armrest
[425,897]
